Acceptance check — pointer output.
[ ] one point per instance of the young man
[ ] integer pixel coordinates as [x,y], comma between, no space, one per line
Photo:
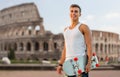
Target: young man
[77,41]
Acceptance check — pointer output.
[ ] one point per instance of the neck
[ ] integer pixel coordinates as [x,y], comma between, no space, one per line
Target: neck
[74,23]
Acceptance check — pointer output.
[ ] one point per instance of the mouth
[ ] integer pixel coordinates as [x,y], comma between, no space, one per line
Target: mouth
[74,16]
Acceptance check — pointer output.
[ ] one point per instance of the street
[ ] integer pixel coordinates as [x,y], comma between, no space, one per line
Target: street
[33,73]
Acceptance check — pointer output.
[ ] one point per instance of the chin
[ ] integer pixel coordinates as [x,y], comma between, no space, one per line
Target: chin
[74,19]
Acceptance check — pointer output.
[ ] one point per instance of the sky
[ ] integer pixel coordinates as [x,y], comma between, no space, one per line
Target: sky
[102,15]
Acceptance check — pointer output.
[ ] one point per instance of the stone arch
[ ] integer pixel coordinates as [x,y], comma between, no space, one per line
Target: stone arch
[101,59]
[5,47]
[112,48]
[21,31]
[15,46]
[45,46]
[37,29]
[16,32]
[29,30]
[101,48]
[55,45]
[9,46]
[28,46]
[21,46]
[105,48]
[109,49]
[36,46]
[96,47]
[45,59]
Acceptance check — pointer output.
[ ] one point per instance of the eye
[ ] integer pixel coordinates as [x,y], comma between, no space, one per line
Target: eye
[71,11]
[76,11]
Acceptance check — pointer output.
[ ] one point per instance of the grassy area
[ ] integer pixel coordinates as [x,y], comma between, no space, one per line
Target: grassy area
[28,62]
[23,62]
[54,62]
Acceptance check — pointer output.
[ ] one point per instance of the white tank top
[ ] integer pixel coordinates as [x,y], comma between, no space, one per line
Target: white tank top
[74,42]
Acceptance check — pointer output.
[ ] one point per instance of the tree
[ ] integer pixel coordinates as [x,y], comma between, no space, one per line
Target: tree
[11,54]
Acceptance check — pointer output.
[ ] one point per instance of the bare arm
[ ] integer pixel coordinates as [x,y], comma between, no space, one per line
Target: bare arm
[62,59]
[88,39]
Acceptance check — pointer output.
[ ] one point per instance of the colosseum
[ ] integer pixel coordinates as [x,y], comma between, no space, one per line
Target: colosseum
[22,30]
[106,45]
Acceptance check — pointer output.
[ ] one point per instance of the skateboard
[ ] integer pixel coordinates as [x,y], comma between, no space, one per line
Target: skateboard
[76,65]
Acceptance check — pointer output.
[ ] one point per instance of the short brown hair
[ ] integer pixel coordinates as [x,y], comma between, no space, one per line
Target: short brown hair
[75,5]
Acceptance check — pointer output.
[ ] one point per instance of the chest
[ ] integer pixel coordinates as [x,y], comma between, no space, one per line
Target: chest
[74,33]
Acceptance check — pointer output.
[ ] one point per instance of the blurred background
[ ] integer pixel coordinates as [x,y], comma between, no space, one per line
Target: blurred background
[31,39]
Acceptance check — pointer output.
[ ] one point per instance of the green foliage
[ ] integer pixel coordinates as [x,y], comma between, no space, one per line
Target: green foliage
[54,62]
[25,62]
[11,54]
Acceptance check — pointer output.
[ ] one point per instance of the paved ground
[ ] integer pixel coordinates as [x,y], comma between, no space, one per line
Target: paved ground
[101,73]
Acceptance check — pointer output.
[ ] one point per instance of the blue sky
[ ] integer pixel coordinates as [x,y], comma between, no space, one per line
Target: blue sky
[101,15]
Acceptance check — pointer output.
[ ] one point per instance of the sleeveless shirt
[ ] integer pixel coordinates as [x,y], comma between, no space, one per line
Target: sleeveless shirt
[74,42]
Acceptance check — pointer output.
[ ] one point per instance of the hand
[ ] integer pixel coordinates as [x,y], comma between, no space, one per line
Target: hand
[59,69]
[79,76]
[88,67]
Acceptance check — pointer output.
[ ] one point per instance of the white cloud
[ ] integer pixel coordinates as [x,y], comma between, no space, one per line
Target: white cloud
[90,17]
[110,28]
[112,15]
[87,19]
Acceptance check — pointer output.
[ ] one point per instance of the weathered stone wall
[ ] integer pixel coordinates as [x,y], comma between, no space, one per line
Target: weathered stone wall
[106,44]
[21,29]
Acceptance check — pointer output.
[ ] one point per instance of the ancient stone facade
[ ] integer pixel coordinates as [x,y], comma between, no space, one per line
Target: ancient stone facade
[106,45]
[22,30]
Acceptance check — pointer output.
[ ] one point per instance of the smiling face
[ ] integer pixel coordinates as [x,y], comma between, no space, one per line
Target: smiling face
[74,13]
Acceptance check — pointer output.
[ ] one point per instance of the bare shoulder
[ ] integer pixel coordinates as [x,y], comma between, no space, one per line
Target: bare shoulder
[84,28]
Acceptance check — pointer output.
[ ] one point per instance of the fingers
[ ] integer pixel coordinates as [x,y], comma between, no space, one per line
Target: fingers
[87,69]
[59,70]
[79,76]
